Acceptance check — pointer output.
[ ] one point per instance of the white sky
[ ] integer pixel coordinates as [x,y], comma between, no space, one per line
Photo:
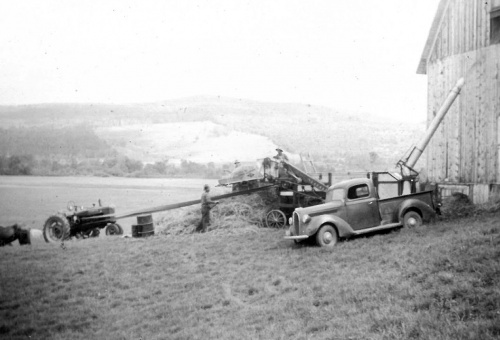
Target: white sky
[355,54]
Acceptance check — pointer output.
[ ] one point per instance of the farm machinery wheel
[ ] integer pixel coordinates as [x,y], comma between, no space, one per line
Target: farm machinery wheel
[275,219]
[56,229]
[326,236]
[412,219]
[114,229]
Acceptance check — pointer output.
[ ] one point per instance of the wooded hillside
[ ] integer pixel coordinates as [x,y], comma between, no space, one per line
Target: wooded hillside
[342,140]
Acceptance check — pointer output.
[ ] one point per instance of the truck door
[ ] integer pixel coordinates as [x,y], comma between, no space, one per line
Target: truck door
[362,207]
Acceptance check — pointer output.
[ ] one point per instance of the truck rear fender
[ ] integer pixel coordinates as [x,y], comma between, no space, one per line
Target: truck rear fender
[423,209]
[343,228]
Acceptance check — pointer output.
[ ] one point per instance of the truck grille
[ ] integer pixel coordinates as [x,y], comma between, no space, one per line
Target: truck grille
[296,223]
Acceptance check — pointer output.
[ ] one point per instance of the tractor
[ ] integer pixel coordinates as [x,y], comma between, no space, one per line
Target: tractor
[80,222]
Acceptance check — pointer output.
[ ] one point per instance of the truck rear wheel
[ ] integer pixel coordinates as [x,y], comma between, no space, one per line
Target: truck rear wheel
[326,236]
[56,228]
[412,219]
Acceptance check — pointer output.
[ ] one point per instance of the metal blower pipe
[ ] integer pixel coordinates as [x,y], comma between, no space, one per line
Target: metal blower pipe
[422,144]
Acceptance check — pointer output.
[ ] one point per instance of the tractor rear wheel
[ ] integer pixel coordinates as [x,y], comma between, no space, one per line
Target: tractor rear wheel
[56,228]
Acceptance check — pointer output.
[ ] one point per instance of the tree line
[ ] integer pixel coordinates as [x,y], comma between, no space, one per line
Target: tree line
[119,166]
[78,151]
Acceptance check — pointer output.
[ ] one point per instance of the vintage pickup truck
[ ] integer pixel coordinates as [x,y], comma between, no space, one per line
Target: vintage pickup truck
[353,207]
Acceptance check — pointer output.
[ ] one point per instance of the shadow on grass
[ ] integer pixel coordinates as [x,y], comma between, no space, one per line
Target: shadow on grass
[311,241]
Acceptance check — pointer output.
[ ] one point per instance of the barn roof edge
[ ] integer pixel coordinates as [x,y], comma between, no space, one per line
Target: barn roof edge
[431,38]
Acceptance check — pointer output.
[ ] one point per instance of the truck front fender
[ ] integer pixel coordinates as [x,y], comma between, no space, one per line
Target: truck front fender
[343,228]
[422,208]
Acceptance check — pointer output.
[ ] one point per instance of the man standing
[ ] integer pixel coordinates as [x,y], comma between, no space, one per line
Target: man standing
[206,205]
[281,156]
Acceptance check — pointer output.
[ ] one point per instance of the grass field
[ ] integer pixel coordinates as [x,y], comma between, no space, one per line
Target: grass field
[439,281]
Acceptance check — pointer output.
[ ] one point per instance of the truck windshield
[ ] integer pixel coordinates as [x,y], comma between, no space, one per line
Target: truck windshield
[335,194]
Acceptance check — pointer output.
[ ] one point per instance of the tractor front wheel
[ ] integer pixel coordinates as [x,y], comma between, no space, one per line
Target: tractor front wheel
[114,229]
[56,229]
[120,232]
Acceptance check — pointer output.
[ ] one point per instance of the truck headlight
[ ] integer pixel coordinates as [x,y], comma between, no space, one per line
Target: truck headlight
[306,218]
[290,221]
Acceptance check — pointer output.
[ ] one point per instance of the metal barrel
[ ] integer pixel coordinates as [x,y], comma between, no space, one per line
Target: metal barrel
[144,219]
[144,226]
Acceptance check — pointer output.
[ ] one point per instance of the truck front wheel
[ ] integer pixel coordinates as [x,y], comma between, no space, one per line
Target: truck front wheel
[326,236]
[412,219]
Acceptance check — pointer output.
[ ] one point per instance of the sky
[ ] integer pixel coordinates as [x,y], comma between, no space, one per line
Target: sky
[356,55]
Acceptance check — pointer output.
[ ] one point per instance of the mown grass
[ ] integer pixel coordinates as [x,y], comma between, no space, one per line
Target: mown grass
[436,282]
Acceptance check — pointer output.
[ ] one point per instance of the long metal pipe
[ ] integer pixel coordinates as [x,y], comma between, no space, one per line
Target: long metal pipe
[422,144]
[180,205]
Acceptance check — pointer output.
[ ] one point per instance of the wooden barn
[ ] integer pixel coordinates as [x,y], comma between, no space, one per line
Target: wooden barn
[464,41]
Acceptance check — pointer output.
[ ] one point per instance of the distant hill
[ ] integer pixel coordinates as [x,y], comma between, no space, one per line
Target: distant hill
[212,129]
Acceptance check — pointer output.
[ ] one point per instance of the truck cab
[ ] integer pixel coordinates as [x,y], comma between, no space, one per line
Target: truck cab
[353,207]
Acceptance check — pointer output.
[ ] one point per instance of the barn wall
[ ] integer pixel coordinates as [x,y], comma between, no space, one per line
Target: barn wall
[465,148]
[464,27]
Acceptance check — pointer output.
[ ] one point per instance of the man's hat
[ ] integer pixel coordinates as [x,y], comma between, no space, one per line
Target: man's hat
[278,149]
[236,162]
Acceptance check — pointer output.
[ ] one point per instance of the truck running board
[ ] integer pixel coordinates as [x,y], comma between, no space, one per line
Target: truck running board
[380,227]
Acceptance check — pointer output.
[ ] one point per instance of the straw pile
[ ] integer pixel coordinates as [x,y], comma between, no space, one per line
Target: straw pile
[236,214]
[460,206]
[457,206]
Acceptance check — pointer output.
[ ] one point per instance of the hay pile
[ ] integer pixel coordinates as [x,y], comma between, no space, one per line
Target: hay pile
[460,206]
[457,206]
[247,212]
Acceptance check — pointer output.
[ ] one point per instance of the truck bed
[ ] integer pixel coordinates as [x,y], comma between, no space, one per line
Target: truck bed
[388,207]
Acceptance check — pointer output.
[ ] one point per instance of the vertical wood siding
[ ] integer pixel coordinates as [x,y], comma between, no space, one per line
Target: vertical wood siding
[465,27]
[465,148]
